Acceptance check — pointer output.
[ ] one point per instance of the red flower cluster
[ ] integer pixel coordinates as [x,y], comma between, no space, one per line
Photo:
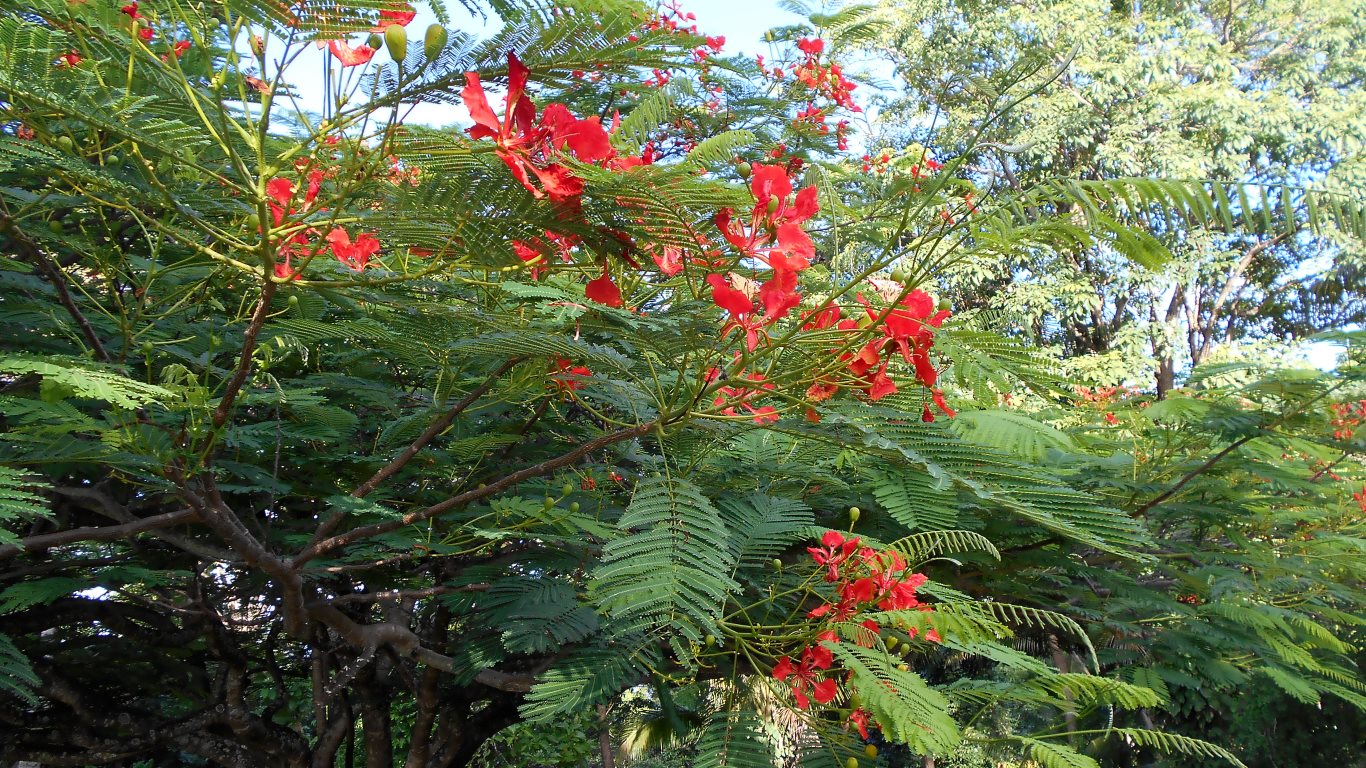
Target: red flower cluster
[906,326]
[672,18]
[527,147]
[283,194]
[1346,417]
[828,80]
[877,163]
[864,580]
[774,236]
[743,396]
[1102,396]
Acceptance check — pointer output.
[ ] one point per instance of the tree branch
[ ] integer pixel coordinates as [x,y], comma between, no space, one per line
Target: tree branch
[99,533]
[239,376]
[474,494]
[58,280]
[437,427]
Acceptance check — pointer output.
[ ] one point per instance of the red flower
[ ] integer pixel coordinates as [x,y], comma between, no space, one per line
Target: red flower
[146,33]
[132,10]
[603,290]
[348,56]
[70,59]
[525,146]
[669,259]
[834,552]
[355,255]
[744,396]
[811,47]
[569,377]
[402,17]
[803,676]
[586,137]
[859,718]
[180,47]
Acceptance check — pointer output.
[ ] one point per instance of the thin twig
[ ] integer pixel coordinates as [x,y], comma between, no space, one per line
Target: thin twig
[58,280]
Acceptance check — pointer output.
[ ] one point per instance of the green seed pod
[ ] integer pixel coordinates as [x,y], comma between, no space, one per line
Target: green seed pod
[870,751]
[854,513]
[374,41]
[396,40]
[434,42]
[744,169]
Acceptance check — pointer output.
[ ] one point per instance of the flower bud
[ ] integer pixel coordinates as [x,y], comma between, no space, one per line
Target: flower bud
[566,489]
[945,305]
[374,41]
[854,513]
[434,42]
[851,763]
[573,506]
[870,751]
[744,169]
[773,205]
[396,40]
[777,564]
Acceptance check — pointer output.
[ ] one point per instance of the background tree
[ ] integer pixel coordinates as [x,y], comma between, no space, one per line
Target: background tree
[1233,91]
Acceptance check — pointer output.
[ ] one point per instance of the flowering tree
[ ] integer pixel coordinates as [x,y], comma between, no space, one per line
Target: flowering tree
[332,433]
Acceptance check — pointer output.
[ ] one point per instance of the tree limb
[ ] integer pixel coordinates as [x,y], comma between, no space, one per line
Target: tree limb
[474,494]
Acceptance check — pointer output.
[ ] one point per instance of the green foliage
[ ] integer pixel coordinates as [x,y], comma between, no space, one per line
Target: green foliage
[262,503]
